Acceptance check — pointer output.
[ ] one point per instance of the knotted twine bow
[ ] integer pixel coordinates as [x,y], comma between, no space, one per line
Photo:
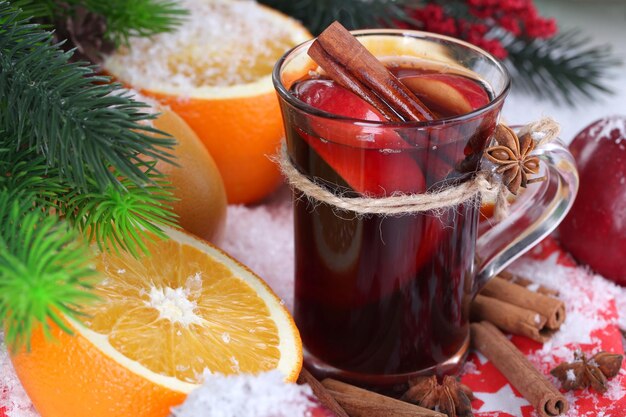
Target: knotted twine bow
[485,182]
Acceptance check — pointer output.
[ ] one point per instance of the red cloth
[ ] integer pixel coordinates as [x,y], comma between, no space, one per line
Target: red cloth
[492,389]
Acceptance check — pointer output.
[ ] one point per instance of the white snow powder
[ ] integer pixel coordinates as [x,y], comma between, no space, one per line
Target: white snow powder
[261,237]
[220,43]
[263,395]
[13,398]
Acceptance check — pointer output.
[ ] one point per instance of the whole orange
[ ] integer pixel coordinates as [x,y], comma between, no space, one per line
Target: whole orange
[197,183]
[215,72]
[241,134]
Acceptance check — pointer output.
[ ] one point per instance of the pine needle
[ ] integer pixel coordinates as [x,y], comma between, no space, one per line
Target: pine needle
[82,124]
[26,172]
[77,143]
[36,9]
[120,218]
[565,68]
[44,270]
[76,155]
[316,15]
[124,18]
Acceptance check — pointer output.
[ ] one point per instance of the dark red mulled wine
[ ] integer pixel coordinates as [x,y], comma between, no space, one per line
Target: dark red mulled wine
[386,294]
[382,298]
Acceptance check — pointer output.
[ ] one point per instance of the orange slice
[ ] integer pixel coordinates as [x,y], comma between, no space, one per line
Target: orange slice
[161,322]
[215,72]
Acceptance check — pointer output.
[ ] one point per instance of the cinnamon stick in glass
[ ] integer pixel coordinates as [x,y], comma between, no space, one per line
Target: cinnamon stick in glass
[551,308]
[359,402]
[351,65]
[322,394]
[510,318]
[347,80]
[534,386]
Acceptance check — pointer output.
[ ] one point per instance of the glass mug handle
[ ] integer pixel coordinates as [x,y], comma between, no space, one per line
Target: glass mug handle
[534,215]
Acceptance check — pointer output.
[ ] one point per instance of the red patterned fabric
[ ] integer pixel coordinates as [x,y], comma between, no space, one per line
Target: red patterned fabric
[496,398]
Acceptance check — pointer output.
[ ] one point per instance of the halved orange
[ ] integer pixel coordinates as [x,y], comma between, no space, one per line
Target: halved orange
[196,181]
[162,321]
[215,72]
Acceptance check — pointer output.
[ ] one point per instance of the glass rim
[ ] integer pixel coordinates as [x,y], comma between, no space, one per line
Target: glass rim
[299,104]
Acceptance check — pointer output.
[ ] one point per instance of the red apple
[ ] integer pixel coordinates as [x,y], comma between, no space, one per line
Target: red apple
[595,229]
[447,93]
[366,158]
[370,172]
[329,96]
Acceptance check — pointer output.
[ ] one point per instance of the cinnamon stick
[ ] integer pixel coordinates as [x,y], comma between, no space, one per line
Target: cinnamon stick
[361,407]
[525,282]
[351,65]
[510,318]
[550,308]
[359,402]
[336,72]
[534,386]
[322,394]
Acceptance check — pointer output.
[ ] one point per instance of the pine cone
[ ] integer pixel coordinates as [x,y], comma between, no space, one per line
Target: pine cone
[84,30]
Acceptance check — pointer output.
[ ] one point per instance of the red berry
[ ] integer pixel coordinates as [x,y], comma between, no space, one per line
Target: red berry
[595,229]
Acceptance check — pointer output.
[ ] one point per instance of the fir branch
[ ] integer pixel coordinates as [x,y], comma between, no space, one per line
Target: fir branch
[316,15]
[120,218]
[117,218]
[81,147]
[26,172]
[124,18]
[45,270]
[82,124]
[564,68]
[71,147]
[35,9]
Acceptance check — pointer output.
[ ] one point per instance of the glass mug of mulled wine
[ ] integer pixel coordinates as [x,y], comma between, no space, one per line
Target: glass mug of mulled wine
[380,298]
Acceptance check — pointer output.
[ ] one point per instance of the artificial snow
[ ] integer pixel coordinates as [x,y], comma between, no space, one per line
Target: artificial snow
[583,294]
[571,375]
[609,128]
[470,368]
[263,395]
[13,398]
[173,304]
[261,237]
[220,43]
[615,389]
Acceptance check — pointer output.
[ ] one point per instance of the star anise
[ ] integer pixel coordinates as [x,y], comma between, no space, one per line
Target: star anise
[451,397]
[512,155]
[583,372]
